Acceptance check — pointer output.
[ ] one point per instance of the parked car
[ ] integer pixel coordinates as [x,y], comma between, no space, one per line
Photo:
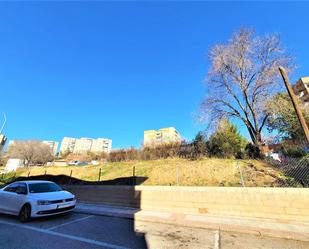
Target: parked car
[76,163]
[95,162]
[29,199]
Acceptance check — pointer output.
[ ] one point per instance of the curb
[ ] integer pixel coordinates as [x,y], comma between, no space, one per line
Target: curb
[203,222]
[120,214]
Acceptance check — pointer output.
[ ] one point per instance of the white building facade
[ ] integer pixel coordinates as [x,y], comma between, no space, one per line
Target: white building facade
[162,136]
[84,145]
[67,145]
[53,146]
[101,145]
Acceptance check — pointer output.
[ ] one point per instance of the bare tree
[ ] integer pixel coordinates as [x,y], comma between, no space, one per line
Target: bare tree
[243,75]
[31,152]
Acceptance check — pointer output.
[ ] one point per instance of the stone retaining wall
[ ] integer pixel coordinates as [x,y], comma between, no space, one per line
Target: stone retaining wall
[274,203]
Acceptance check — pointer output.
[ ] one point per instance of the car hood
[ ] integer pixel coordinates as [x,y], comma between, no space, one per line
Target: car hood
[52,196]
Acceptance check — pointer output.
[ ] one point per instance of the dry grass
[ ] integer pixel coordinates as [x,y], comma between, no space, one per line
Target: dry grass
[204,172]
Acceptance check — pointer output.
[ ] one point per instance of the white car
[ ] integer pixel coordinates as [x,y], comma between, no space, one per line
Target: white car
[77,163]
[29,199]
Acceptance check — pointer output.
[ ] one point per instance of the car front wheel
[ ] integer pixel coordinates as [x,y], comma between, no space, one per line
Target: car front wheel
[25,213]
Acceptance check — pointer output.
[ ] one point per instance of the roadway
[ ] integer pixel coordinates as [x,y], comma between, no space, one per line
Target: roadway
[80,231]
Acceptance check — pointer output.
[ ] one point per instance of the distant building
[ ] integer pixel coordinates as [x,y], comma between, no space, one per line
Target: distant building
[67,145]
[84,145]
[101,145]
[162,136]
[301,89]
[11,144]
[53,146]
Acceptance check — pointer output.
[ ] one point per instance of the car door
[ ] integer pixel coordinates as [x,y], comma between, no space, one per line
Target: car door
[7,196]
[2,200]
[19,198]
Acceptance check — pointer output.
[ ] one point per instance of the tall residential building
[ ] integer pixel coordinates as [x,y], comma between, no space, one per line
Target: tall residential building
[53,146]
[67,145]
[101,145]
[162,136]
[84,145]
[301,89]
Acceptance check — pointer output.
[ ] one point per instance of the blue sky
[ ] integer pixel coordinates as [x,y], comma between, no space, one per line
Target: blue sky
[115,69]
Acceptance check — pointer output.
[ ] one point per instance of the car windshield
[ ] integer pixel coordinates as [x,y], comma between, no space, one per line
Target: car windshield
[44,187]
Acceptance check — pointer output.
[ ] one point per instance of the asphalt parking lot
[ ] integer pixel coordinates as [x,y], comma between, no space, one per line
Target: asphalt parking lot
[76,231]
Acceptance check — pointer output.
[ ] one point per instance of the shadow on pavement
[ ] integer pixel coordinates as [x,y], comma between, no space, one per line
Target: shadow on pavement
[117,231]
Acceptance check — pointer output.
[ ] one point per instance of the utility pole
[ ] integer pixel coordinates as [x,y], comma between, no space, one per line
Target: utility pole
[2,136]
[295,102]
[4,122]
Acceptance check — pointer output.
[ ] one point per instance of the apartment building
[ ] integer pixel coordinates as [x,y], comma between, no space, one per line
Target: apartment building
[301,89]
[53,145]
[161,136]
[101,145]
[67,145]
[84,145]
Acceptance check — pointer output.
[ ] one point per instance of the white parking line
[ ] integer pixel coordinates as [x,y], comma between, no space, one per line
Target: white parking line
[72,237]
[217,240]
[70,222]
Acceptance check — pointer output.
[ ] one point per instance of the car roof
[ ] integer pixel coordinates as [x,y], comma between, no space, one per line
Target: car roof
[33,181]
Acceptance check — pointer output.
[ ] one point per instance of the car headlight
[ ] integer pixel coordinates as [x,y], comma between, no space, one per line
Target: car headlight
[41,202]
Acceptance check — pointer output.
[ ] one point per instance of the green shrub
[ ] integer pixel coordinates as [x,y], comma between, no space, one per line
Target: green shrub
[295,152]
[226,141]
[253,151]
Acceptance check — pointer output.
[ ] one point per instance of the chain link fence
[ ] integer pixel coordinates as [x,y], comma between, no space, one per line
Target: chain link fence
[79,176]
[296,169]
[289,172]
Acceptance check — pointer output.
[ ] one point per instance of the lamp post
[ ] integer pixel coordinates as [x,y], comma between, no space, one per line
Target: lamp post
[4,122]
[2,137]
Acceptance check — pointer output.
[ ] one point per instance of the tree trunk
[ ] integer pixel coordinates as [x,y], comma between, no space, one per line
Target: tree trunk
[255,137]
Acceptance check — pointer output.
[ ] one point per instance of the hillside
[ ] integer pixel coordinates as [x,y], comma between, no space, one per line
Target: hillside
[204,172]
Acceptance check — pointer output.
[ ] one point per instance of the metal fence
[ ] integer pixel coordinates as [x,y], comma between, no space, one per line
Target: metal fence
[296,169]
[295,173]
[70,176]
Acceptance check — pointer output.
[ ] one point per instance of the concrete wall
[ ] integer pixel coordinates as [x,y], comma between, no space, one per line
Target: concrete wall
[274,203]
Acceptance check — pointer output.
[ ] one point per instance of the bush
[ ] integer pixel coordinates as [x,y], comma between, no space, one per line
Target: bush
[226,141]
[146,153]
[118,156]
[199,146]
[160,151]
[253,151]
[186,150]
[240,155]
[295,152]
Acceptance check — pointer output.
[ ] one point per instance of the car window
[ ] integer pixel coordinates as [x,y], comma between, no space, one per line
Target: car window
[44,187]
[12,187]
[22,188]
